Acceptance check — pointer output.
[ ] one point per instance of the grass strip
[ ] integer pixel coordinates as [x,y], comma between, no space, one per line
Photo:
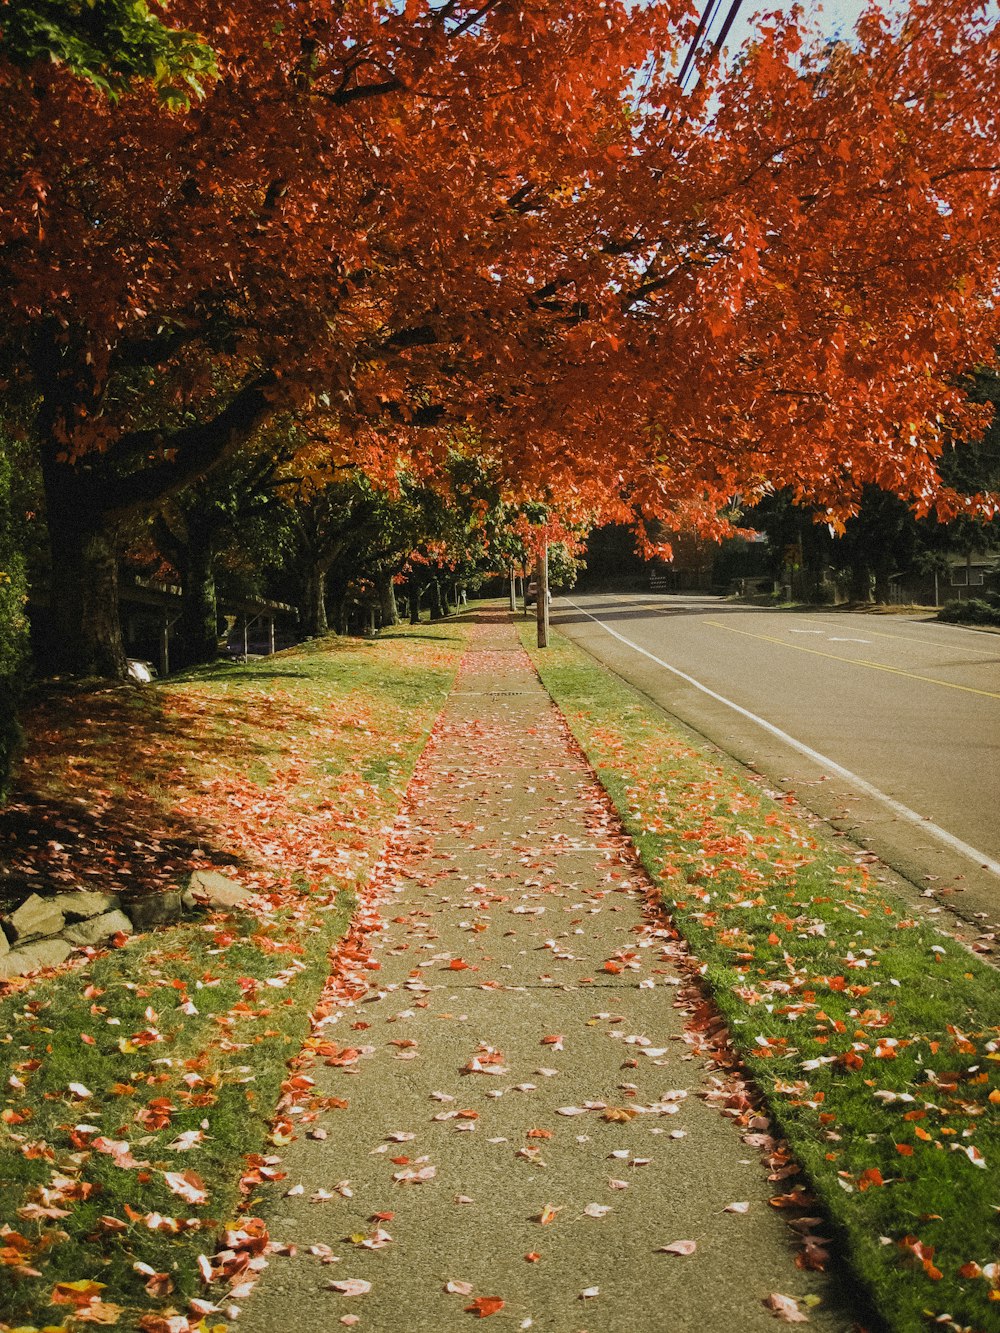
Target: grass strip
[137,1087]
[873,1036]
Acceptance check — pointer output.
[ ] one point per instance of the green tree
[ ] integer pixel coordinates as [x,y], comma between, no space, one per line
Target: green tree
[110,43]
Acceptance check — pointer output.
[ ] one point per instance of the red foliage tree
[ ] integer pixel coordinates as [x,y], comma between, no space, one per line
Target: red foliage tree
[505,216]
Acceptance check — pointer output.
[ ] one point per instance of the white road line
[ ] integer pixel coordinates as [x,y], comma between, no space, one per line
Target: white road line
[903,811]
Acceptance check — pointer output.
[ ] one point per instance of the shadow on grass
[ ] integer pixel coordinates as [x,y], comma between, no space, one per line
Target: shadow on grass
[91,803]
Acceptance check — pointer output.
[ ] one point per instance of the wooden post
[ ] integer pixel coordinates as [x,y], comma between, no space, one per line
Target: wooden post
[513,590]
[270,635]
[542,598]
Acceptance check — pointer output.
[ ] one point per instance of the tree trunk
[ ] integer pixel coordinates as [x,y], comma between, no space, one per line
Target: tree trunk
[434,591]
[883,588]
[314,611]
[387,599]
[413,593]
[86,632]
[199,612]
[861,582]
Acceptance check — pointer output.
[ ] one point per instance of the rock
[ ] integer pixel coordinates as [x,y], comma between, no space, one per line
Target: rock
[153,909]
[35,916]
[82,904]
[43,953]
[98,928]
[4,944]
[209,888]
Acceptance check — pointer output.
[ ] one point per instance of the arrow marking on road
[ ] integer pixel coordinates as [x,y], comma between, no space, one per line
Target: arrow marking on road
[897,807]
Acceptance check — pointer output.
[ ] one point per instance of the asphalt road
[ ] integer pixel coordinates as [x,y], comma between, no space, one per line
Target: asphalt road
[886,727]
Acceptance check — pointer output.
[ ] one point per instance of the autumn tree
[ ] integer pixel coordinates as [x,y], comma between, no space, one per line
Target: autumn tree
[509,218]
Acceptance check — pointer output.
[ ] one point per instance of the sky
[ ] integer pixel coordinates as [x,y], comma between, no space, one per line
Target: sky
[835,17]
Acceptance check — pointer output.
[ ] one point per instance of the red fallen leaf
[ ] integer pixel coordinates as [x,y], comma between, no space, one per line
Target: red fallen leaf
[76,1293]
[118,1151]
[484,1306]
[458,965]
[555,1040]
[539,1134]
[532,1256]
[188,1185]
[970,1269]
[904,1150]
[869,1178]
[157,1285]
[87,1039]
[613,968]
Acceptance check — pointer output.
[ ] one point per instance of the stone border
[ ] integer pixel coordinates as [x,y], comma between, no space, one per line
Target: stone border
[43,932]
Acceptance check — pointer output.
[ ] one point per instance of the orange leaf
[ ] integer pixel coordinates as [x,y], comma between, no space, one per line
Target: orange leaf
[484,1306]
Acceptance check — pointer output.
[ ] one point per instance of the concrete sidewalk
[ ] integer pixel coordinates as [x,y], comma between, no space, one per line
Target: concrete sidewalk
[524,991]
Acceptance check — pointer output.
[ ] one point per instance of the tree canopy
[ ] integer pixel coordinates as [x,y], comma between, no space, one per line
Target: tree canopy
[509,219]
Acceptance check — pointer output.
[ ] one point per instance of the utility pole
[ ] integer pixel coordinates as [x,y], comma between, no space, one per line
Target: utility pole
[513,590]
[542,603]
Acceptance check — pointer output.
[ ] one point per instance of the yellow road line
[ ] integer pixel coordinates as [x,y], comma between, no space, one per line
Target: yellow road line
[906,638]
[854,661]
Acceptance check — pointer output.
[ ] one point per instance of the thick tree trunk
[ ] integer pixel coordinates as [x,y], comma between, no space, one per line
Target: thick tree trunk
[861,582]
[413,594]
[199,611]
[434,591]
[314,611]
[387,599]
[86,632]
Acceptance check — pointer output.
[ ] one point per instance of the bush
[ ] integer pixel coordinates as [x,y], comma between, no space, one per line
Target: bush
[973,611]
[13,629]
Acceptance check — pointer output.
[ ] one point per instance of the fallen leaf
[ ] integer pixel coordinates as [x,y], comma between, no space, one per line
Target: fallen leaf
[785,1308]
[188,1185]
[459,1288]
[484,1306]
[350,1286]
[678,1247]
[736,1208]
[597,1209]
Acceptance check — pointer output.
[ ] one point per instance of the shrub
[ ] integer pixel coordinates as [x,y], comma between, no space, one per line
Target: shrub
[973,611]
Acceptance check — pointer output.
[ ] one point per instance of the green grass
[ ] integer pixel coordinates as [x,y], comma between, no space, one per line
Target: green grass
[277,766]
[873,1036]
[237,1088]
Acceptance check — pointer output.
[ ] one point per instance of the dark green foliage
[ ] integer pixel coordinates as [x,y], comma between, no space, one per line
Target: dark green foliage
[108,42]
[974,611]
[13,627]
